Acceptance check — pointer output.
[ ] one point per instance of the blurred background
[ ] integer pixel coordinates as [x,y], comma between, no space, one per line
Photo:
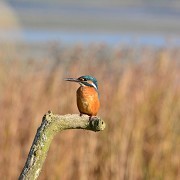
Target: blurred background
[131,47]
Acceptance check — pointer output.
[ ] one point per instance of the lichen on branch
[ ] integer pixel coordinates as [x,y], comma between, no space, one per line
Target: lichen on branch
[50,126]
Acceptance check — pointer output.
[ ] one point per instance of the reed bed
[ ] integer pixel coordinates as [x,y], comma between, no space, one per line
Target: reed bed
[140,102]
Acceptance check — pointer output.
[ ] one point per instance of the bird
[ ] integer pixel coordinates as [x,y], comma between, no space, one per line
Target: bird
[87,95]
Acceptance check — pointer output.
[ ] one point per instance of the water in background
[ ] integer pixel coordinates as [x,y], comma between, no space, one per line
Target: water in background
[69,23]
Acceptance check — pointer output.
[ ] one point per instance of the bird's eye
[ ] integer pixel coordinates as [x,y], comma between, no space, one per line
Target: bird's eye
[82,79]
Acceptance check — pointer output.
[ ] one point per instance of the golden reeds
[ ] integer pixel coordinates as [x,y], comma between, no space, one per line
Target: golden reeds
[140,102]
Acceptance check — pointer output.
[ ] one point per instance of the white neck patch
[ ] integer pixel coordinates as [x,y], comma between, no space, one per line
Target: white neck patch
[94,85]
[90,84]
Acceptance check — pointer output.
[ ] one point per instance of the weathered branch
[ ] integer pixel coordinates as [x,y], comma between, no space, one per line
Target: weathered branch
[52,124]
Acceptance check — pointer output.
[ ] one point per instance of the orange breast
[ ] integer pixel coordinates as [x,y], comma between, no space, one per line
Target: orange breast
[88,100]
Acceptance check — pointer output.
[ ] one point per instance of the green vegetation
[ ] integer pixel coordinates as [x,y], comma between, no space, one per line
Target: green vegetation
[140,103]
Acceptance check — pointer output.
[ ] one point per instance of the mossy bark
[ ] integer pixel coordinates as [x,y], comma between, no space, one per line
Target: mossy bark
[52,124]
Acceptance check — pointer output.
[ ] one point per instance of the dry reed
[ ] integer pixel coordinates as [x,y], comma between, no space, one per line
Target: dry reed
[140,102]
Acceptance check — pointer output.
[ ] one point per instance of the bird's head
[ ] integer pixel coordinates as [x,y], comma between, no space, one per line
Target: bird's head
[85,81]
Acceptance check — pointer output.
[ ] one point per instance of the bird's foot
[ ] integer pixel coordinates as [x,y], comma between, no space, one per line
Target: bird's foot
[91,118]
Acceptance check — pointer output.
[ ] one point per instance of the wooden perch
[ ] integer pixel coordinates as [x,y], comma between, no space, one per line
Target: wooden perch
[52,124]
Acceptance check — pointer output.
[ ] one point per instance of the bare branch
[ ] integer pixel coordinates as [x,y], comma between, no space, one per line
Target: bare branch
[52,124]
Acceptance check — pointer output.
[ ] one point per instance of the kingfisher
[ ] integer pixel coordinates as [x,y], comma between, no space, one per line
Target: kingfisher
[87,95]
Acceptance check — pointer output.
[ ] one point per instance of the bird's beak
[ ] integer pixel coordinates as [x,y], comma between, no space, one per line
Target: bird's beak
[72,80]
